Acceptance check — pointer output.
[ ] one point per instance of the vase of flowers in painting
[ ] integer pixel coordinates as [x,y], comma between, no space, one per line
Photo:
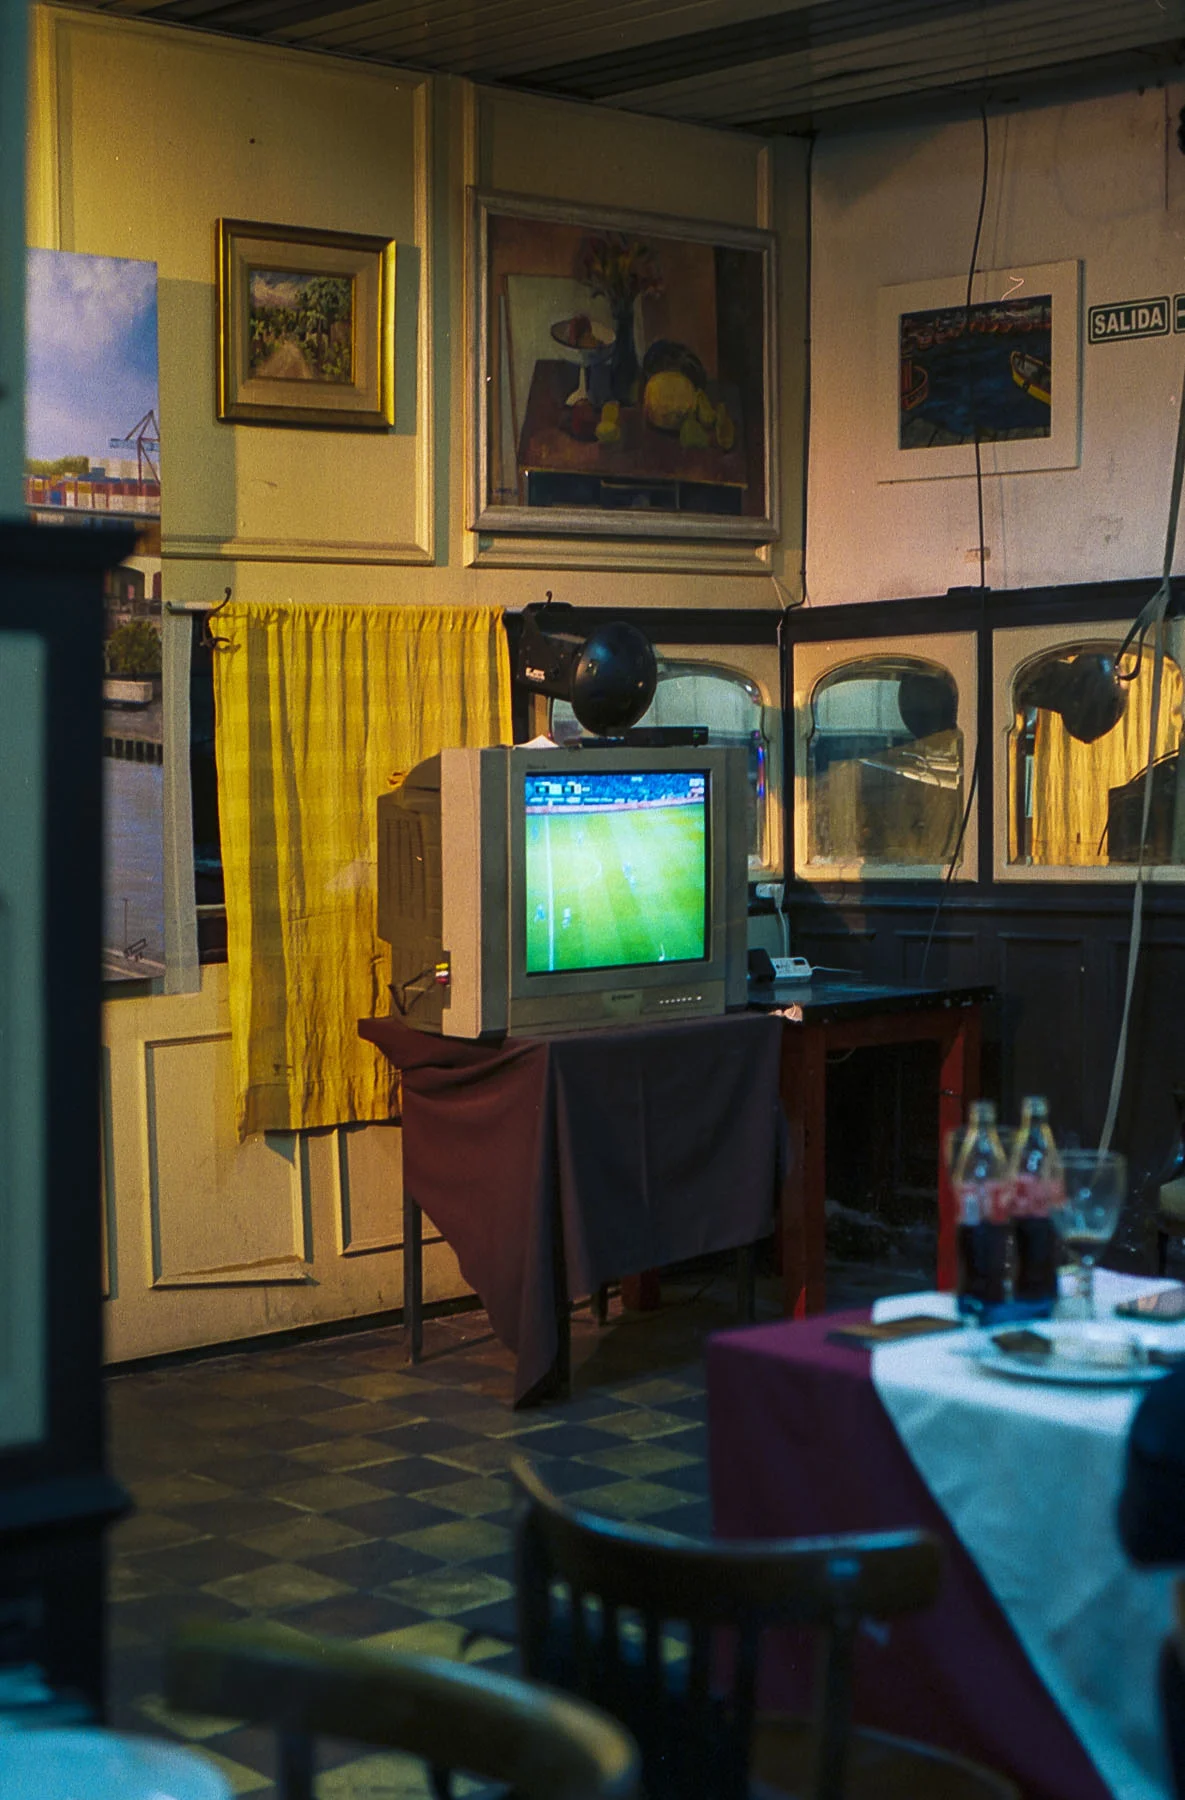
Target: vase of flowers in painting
[623,358]
[622,270]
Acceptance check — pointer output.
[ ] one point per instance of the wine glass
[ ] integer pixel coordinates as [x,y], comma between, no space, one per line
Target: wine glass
[1096,1181]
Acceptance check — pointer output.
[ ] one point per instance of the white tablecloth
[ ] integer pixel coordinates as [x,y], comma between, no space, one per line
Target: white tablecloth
[1028,1474]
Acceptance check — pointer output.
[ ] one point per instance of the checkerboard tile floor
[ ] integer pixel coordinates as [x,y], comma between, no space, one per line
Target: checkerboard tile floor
[332,1488]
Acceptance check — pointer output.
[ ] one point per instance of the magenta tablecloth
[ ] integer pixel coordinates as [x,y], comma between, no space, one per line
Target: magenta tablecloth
[800,1445]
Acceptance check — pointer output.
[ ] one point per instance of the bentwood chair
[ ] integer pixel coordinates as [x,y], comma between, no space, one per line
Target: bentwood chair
[546,1746]
[597,1601]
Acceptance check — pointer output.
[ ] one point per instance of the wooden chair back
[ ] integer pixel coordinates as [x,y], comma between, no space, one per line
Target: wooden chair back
[628,1585]
[546,1746]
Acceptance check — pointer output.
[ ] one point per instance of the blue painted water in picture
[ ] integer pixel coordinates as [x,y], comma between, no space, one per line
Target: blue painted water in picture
[981,373]
[975,387]
[134,869]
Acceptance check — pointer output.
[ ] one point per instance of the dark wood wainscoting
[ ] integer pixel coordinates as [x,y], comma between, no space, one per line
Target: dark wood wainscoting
[1058,962]
[1055,950]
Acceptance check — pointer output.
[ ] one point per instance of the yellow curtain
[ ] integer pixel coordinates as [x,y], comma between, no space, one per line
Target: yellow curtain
[1071,780]
[317,708]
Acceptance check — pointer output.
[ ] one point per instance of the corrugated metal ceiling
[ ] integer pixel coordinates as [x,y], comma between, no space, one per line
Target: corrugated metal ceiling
[752,65]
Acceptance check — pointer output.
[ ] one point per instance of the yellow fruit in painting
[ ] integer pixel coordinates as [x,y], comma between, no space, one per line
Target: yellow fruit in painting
[609,428]
[726,431]
[692,435]
[705,412]
[668,400]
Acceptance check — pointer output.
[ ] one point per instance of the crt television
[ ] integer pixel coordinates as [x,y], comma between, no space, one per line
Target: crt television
[537,890]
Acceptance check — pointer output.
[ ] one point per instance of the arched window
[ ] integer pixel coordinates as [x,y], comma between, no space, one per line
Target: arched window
[1077,757]
[732,707]
[884,764]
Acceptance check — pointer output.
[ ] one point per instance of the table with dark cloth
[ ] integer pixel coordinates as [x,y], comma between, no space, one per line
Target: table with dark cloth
[553,1165]
[800,1445]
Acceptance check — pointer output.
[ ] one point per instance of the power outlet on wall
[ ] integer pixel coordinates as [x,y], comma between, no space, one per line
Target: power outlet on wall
[771,890]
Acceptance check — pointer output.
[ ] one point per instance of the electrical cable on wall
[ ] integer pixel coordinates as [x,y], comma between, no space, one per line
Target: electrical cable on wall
[974,782]
[807,353]
[1151,617]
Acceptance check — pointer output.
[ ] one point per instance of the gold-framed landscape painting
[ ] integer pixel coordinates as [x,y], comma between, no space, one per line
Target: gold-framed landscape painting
[624,374]
[306,326]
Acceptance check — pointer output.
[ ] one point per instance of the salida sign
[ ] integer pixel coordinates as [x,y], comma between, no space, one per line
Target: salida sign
[1121,320]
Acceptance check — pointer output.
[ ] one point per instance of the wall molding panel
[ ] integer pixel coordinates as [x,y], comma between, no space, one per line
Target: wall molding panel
[256,1232]
[110,1252]
[214,1241]
[368,1169]
[210,1241]
[249,131]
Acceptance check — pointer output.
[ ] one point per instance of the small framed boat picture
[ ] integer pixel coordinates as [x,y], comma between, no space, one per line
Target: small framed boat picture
[999,369]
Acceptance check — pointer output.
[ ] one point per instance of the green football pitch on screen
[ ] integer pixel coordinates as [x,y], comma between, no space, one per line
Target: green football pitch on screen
[615,888]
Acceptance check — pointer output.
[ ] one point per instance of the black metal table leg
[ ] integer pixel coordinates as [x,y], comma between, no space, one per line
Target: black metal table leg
[413,1277]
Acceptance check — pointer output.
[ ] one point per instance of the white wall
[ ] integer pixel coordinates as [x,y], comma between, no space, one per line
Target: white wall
[1100,180]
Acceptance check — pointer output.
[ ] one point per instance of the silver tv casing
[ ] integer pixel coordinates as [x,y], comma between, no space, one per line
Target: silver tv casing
[451,853]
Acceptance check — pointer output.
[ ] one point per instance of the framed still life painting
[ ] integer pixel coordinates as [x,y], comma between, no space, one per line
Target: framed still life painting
[624,374]
[305,326]
[1002,372]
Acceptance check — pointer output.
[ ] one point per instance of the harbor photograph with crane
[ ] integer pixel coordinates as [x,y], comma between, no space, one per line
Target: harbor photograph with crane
[92,450]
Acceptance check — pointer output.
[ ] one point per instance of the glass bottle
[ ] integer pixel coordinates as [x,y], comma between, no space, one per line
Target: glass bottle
[1038,1188]
[980,1181]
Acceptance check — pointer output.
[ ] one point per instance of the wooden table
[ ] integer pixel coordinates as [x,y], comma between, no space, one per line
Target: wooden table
[823,1017]
[800,1445]
[555,1164]
[481,1151]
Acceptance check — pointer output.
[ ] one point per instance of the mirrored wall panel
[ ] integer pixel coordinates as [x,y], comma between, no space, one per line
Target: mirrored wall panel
[884,747]
[736,710]
[1077,736]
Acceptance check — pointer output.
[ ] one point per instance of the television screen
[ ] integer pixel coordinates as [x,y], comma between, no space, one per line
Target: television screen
[616,868]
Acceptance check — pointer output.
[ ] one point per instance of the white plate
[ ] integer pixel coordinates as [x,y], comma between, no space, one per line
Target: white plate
[1061,1370]
[92,1764]
[1084,1355]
